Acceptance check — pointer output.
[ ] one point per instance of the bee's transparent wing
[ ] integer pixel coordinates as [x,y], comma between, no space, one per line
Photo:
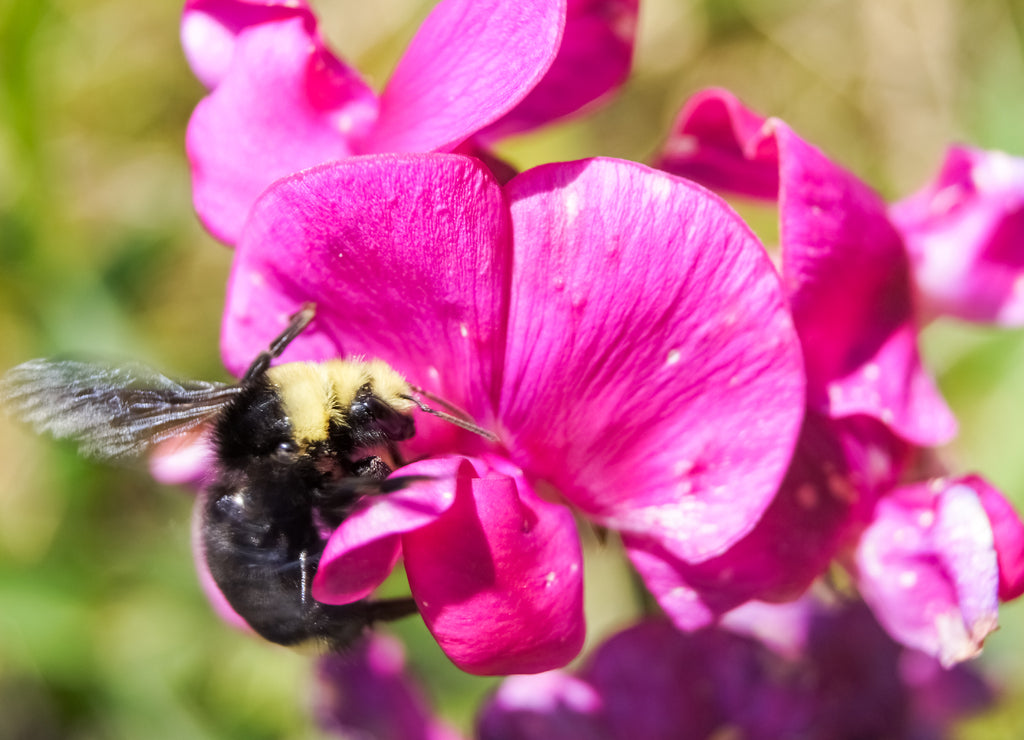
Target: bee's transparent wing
[112,412]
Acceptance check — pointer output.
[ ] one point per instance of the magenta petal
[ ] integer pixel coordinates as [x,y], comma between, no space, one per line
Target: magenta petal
[838,470]
[593,59]
[847,273]
[470,63]
[1008,531]
[209,29]
[965,235]
[927,566]
[653,375]
[544,706]
[406,259]
[498,578]
[715,141]
[362,551]
[844,264]
[285,103]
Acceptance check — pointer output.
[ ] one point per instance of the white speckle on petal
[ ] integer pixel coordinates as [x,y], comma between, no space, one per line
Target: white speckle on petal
[433,373]
[908,579]
[926,518]
[572,206]
[463,330]
[550,579]
[674,356]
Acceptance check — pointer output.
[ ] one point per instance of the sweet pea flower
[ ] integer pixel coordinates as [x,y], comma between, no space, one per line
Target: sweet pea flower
[870,401]
[964,232]
[652,682]
[477,70]
[936,559]
[368,693]
[619,329]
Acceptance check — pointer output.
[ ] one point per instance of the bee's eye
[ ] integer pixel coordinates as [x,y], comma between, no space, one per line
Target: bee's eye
[288,446]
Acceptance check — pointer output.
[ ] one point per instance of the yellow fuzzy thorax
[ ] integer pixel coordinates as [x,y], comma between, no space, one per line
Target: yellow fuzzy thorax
[315,395]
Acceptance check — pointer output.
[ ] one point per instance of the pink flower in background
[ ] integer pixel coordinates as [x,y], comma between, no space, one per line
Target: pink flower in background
[619,329]
[477,70]
[936,559]
[965,236]
[848,680]
[367,693]
[870,404]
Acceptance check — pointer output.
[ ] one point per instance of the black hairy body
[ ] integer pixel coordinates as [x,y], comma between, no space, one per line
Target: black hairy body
[263,514]
[297,446]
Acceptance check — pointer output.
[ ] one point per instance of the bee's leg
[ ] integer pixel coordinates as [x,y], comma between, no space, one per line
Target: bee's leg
[296,324]
[388,610]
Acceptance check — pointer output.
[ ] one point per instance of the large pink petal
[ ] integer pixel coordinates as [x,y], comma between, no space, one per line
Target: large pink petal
[928,568]
[844,264]
[593,59]
[965,235]
[498,578]
[284,103]
[406,257]
[653,375]
[470,63]
[209,29]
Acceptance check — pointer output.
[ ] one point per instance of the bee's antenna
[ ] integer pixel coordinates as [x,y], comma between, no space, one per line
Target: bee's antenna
[458,421]
[299,321]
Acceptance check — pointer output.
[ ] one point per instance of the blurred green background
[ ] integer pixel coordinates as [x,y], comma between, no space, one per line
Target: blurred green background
[103,630]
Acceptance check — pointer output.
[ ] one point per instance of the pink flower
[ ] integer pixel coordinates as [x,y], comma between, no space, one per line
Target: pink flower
[870,404]
[935,560]
[367,693]
[619,329]
[651,682]
[964,233]
[869,397]
[280,101]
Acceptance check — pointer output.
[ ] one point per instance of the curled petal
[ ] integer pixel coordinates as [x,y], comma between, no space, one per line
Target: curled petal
[471,62]
[498,577]
[843,264]
[283,103]
[367,693]
[406,257]
[717,141]
[1008,533]
[363,550]
[965,235]
[653,375]
[927,566]
[593,59]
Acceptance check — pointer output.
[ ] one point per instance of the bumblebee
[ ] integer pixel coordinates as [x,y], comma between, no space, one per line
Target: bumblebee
[296,445]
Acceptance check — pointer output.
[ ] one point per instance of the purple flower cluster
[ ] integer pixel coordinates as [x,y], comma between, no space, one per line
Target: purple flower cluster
[742,425]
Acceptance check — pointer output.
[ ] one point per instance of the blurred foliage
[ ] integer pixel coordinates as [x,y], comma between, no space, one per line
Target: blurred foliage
[103,631]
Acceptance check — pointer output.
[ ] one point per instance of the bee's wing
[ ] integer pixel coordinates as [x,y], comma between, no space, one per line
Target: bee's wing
[111,412]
